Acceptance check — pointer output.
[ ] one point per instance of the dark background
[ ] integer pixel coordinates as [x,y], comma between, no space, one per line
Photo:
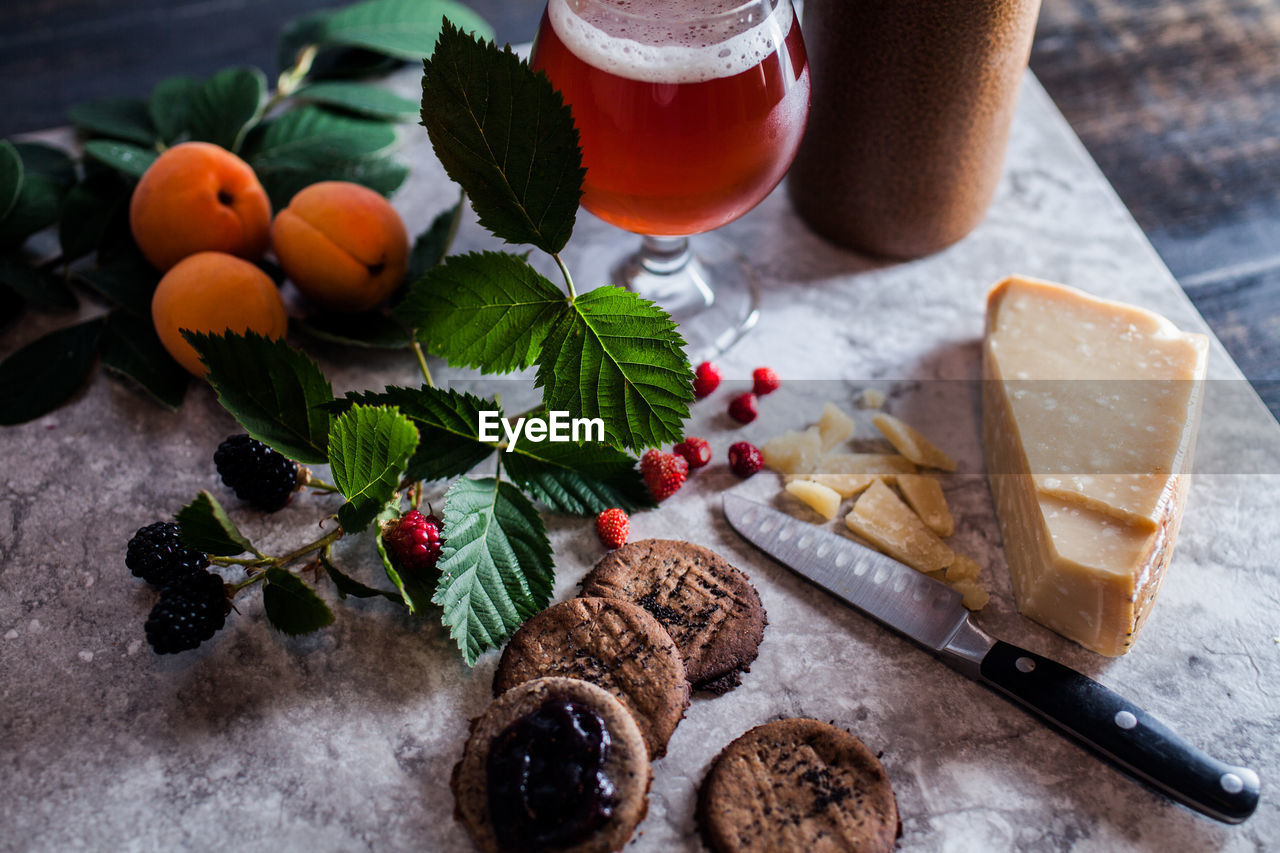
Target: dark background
[1177,100]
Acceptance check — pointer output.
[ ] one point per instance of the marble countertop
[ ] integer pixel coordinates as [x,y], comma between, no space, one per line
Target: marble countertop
[344,739]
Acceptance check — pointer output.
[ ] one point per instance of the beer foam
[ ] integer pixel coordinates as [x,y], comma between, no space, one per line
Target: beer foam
[631,39]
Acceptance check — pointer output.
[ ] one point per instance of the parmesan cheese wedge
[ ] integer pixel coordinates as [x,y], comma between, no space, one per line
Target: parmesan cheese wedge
[887,466]
[924,494]
[1090,410]
[845,485]
[881,518]
[822,500]
[911,443]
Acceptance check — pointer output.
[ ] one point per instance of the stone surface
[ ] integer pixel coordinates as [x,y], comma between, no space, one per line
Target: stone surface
[343,740]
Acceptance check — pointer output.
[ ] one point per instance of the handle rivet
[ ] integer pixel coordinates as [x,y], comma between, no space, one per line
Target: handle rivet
[1231,783]
[1126,720]
[1025,664]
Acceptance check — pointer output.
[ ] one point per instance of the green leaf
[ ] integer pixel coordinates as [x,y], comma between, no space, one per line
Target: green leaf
[506,136]
[282,181]
[309,136]
[618,357]
[361,98]
[47,174]
[46,373]
[170,105]
[125,284]
[406,29]
[433,244]
[276,392]
[121,156]
[10,177]
[448,439]
[581,479]
[368,449]
[369,329]
[335,63]
[488,310]
[87,212]
[347,585]
[204,525]
[226,107]
[496,569]
[291,606]
[40,288]
[129,347]
[115,118]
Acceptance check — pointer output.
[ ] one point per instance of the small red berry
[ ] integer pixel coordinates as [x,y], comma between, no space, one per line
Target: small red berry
[705,379]
[612,527]
[664,473]
[745,459]
[764,381]
[696,451]
[742,408]
[413,541]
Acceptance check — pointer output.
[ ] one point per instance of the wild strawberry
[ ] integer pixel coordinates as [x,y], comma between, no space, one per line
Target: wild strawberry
[612,527]
[696,451]
[744,459]
[413,541]
[705,379]
[742,408]
[764,381]
[663,473]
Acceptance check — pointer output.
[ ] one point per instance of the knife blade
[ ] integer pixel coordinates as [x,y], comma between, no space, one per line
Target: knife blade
[931,614]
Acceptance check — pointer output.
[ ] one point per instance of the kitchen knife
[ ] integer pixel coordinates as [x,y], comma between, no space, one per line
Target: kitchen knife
[930,613]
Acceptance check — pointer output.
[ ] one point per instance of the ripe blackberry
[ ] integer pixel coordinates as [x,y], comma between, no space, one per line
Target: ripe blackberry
[259,475]
[190,611]
[413,541]
[157,556]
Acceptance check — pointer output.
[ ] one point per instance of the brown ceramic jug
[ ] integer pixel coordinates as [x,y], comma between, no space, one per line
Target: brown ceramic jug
[911,106]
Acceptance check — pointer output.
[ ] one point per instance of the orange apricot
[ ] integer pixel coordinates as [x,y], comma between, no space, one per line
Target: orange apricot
[197,197]
[343,245]
[214,292]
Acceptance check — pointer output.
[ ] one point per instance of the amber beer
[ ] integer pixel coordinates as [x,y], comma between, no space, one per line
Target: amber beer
[680,133]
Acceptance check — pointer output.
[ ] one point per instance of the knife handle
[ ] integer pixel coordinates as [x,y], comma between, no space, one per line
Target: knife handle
[1131,738]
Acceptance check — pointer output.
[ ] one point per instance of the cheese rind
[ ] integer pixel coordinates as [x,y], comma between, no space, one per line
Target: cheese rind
[1090,410]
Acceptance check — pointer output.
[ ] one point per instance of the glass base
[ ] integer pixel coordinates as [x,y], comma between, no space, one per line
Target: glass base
[703,282]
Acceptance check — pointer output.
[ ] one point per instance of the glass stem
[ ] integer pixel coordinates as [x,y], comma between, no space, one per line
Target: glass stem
[665,255]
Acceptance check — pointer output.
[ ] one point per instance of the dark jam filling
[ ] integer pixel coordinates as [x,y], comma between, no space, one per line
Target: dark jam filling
[547,785]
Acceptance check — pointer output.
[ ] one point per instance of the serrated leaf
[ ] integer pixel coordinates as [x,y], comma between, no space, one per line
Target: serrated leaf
[204,525]
[309,136]
[618,357]
[347,585]
[48,173]
[506,136]
[432,245]
[10,177]
[406,29]
[488,310]
[46,373]
[368,449]
[170,105]
[496,569]
[121,156]
[276,392]
[369,329]
[361,98]
[40,288]
[291,606]
[284,180]
[130,348]
[87,211]
[115,118]
[128,285]
[448,440]
[581,479]
[336,62]
[226,107]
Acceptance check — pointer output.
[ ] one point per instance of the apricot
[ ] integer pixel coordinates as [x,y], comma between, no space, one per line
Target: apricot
[214,292]
[197,197]
[343,245]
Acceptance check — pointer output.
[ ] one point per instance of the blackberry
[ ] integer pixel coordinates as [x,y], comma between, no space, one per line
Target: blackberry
[190,611]
[259,475]
[413,541]
[158,557]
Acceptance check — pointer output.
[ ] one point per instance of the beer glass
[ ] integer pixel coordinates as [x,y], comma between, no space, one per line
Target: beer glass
[689,114]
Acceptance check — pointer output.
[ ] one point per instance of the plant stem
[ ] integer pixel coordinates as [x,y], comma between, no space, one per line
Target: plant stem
[568,279]
[248,582]
[422,362]
[320,485]
[328,539]
[238,561]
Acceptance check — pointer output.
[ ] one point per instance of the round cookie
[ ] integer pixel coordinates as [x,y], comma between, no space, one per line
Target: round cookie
[625,764]
[797,785]
[612,643]
[707,605]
